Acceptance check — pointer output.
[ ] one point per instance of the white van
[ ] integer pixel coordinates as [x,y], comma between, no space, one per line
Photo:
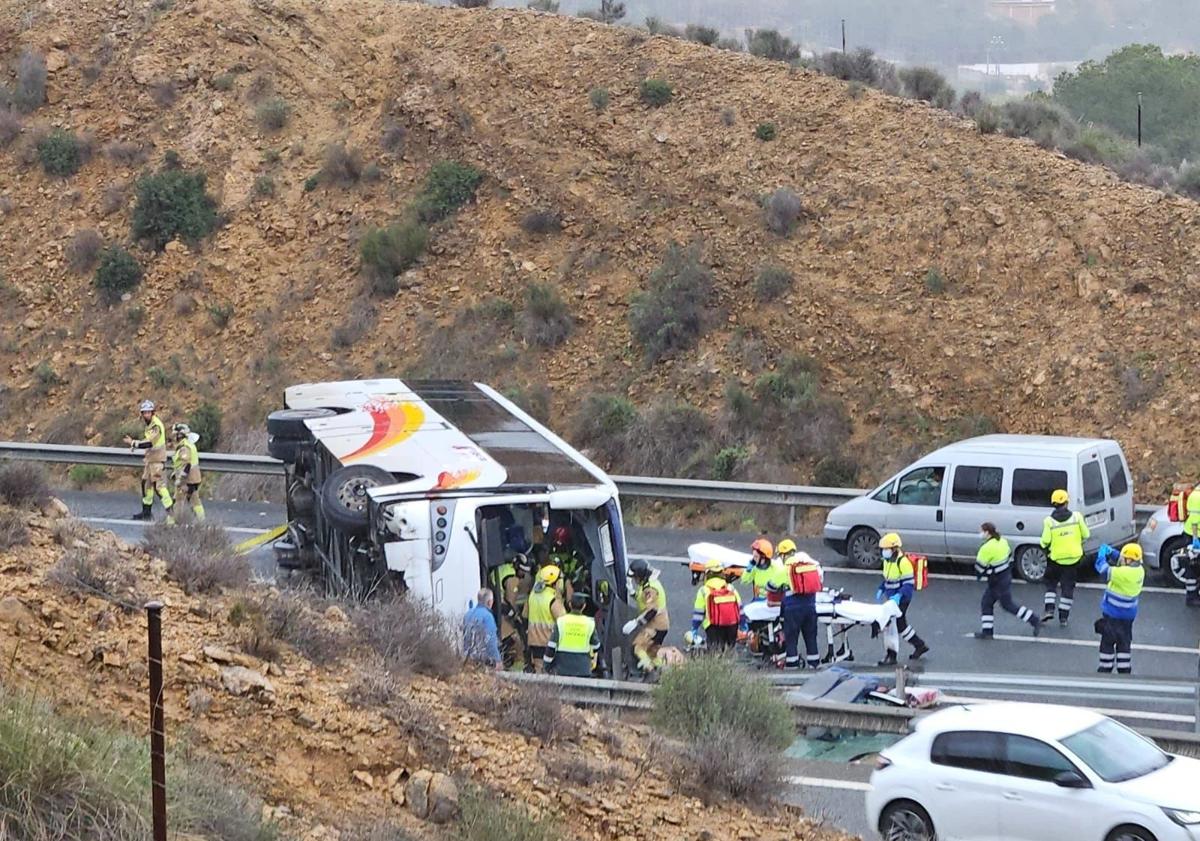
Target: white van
[426,486]
[938,503]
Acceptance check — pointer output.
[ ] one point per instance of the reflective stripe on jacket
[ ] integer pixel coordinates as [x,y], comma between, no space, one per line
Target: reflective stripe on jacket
[1120,600]
[187,459]
[899,576]
[572,646]
[994,557]
[542,610]
[1063,539]
[652,596]
[1192,525]
[156,435]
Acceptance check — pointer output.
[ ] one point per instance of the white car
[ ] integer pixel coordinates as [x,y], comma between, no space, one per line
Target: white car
[1031,772]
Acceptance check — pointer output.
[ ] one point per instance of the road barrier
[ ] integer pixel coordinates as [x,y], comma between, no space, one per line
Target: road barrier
[696,490]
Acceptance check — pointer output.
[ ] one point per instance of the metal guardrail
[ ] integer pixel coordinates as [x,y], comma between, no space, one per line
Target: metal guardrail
[743,493]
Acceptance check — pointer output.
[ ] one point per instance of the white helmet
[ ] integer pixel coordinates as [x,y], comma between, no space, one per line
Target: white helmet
[146,406]
[182,430]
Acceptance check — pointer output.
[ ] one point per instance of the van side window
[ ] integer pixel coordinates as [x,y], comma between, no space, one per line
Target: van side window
[977,484]
[1118,482]
[922,486]
[1032,488]
[1093,484]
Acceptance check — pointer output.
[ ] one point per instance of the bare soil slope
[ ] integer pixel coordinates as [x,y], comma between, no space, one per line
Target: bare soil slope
[1065,308]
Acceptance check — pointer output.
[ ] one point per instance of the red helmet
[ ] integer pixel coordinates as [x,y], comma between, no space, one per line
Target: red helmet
[561,536]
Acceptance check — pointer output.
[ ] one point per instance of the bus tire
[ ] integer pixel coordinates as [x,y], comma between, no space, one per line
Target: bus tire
[344,500]
[289,424]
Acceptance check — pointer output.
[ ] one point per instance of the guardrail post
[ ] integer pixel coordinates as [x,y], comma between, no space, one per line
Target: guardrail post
[158,770]
[791,519]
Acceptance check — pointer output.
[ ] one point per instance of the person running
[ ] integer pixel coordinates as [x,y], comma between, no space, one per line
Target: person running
[993,563]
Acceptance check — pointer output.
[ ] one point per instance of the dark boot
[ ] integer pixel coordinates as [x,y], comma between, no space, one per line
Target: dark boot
[145,514]
[1036,624]
[1192,600]
[889,659]
[986,634]
[920,649]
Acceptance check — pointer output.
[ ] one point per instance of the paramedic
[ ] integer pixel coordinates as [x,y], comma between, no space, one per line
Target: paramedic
[1063,535]
[542,611]
[652,623]
[186,469]
[153,444]
[480,644]
[571,650]
[1191,569]
[994,563]
[762,568]
[717,609]
[899,585]
[801,581]
[1119,605]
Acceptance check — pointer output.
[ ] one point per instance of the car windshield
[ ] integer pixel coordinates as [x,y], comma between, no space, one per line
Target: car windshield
[1115,753]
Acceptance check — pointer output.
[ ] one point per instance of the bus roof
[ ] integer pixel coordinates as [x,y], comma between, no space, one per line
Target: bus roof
[442,434]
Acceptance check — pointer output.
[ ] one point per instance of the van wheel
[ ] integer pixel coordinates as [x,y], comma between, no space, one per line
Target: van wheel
[288,424]
[1170,569]
[344,500]
[862,548]
[906,821]
[1031,563]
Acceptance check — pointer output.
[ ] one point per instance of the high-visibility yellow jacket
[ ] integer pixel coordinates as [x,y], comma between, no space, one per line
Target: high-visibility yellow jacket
[1063,539]
[156,437]
[994,556]
[572,647]
[1191,526]
[652,596]
[542,610]
[187,462]
[700,611]
[760,579]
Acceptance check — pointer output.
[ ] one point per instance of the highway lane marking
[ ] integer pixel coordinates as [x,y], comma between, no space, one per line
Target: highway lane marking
[1166,649]
[940,576]
[113,521]
[821,782]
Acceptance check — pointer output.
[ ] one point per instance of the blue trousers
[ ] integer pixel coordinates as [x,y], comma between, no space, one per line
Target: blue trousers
[800,619]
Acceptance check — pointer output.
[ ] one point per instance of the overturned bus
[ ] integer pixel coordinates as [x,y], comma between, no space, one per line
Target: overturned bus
[427,486]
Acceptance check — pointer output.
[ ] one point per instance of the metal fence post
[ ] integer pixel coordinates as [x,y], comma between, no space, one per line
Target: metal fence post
[158,770]
[791,519]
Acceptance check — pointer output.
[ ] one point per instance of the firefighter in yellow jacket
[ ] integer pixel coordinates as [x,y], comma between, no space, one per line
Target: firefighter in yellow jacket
[651,625]
[186,469]
[717,609]
[1063,536]
[542,610]
[1191,558]
[153,446]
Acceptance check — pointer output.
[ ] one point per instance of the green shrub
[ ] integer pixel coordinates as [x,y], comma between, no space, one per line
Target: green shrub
[448,187]
[772,282]
[927,84]
[1187,181]
[264,186]
[173,203]
[987,119]
[727,461]
[669,315]
[223,81]
[836,472]
[768,43]
[220,314]
[670,439]
[82,475]
[543,6]
[205,421]
[707,694]
[935,281]
[61,153]
[30,91]
[705,35]
[766,131]
[599,98]
[488,817]
[273,114]
[117,273]
[342,166]
[1050,126]
[860,66]
[601,423]
[311,183]
[782,210]
[546,321]
[656,92]
[388,252]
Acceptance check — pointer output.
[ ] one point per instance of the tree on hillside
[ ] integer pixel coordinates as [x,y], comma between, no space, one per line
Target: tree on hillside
[1106,92]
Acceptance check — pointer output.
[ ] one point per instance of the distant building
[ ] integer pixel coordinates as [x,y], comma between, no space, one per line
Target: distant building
[1026,12]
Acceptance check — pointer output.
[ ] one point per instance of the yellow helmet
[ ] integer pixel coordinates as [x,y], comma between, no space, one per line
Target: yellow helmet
[714,567]
[1059,497]
[549,575]
[786,546]
[1131,553]
[891,540]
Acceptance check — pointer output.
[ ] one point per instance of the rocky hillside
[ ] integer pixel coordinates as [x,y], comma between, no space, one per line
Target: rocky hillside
[943,281]
[334,748]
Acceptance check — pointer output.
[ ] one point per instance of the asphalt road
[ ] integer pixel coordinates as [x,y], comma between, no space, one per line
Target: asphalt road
[1015,666]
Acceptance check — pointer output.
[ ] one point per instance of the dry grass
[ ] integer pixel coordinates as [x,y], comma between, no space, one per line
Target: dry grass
[244,487]
[575,769]
[288,618]
[13,530]
[23,484]
[373,686]
[199,556]
[726,764]
[83,251]
[532,710]
[409,637]
[100,572]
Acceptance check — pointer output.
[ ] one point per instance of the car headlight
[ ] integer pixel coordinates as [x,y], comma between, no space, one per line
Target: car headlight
[1152,524]
[1183,817]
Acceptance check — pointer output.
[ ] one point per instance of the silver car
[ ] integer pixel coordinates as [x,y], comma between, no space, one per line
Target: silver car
[1160,540]
[938,503]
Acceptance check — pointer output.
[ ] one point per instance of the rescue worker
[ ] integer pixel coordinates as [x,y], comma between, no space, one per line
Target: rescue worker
[652,623]
[512,581]
[1063,535]
[993,563]
[153,445]
[1119,605]
[542,610]
[563,555]
[574,643]
[801,579]
[717,610]
[762,568]
[186,469]
[899,585]
[1191,527]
